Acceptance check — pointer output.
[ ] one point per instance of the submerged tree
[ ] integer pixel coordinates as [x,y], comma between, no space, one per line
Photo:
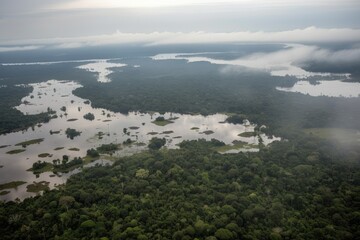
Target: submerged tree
[89,116]
[71,133]
[156,143]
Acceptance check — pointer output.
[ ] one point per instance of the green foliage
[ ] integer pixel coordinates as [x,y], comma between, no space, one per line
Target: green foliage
[36,187]
[44,155]
[223,234]
[160,119]
[11,118]
[156,143]
[108,148]
[89,116]
[15,151]
[38,165]
[88,224]
[71,133]
[66,201]
[196,193]
[30,142]
[204,88]
[247,134]
[92,153]
[303,188]
[10,185]
[275,236]
[67,165]
[142,173]
[236,119]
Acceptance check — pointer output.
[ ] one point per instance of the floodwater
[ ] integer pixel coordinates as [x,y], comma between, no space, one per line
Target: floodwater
[336,88]
[55,95]
[102,68]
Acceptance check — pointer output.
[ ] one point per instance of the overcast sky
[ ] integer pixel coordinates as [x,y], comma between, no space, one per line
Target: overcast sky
[74,23]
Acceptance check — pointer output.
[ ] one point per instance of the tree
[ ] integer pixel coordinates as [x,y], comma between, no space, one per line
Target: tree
[160,119]
[235,119]
[66,201]
[65,159]
[71,133]
[88,224]
[223,234]
[92,153]
[142,173]
[156,143]
[89,116]
[201,227]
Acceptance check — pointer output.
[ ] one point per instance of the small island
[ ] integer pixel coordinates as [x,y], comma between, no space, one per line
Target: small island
[89,116]
[161,121]
[30,142]
[15,151]
[247,134]
[72,133]
[11,185]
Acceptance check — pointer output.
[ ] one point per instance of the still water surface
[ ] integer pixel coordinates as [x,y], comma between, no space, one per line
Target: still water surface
[336,88]
[55,95]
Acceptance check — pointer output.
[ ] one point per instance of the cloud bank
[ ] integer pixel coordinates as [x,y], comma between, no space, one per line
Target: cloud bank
[18,48]
[306,35]
[86,4]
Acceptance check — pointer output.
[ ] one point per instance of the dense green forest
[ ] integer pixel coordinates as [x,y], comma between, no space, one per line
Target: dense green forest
[11,95]
[287,191]
[12,119]
[304,187]
[175,86]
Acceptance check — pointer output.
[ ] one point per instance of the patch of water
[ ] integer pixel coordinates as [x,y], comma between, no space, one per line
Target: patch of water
[335,88]
[57,95]
[102,68]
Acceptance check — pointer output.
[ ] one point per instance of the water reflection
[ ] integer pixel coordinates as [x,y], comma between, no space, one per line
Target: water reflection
[57,96]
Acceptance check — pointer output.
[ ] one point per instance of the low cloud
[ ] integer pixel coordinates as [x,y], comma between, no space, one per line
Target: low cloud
[304,61]
[18,48]
[307,35]
[325,55]
[298,54]
[294,60]
[86,4]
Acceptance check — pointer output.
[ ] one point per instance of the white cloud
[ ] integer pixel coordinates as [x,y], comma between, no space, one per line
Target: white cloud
[310,34]
[95,4]
[18,48]
[343,56]
[70,45]
[288,61]
[278,63]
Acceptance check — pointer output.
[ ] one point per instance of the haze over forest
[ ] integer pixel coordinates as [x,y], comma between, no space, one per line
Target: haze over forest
[192,119]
